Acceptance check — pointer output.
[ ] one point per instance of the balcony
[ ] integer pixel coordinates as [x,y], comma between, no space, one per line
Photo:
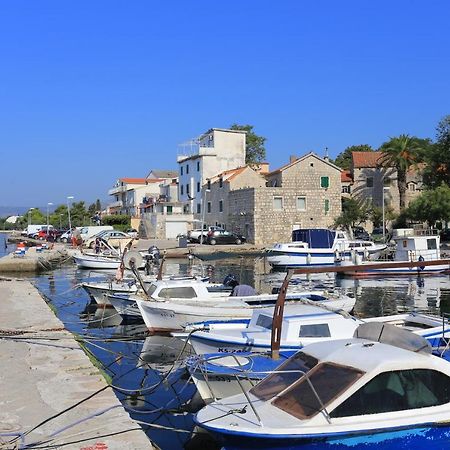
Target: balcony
[117,190]
[117,204]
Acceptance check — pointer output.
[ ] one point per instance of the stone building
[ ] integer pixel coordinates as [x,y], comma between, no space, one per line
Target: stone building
[213,152]
[368,179]
[306,193]
[216,194]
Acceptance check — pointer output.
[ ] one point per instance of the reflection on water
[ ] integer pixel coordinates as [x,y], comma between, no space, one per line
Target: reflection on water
[5,246]
[147,372]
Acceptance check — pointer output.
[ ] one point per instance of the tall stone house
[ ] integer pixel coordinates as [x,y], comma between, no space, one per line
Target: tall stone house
[306,193]
[214,152]
[368,178]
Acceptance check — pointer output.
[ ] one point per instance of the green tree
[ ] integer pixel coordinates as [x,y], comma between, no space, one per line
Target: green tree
[255,151]
[344,159]
[353,213]
[437,157]
[402,153]
[98,205]
[431,206]
[79,215]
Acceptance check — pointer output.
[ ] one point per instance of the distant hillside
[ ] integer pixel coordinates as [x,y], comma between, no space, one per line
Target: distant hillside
[6,211]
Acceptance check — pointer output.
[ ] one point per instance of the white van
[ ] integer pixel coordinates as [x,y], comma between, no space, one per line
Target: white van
[87,232]
[32,229]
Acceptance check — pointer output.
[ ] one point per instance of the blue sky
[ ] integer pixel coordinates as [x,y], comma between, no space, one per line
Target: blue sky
[91,91]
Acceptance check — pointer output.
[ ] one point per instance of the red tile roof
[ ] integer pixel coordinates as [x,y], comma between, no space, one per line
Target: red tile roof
[366,159]
[346,176]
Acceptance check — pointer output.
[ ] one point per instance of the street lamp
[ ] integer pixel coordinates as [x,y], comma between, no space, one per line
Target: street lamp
[203,214]
[48,231]
[29,216]
[383,209]
[70,197]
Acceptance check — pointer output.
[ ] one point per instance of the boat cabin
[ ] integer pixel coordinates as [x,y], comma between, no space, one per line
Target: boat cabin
[185,288]
[411,246]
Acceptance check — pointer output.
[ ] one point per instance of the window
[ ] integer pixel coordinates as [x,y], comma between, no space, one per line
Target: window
[181,170]
[177,292]
[208,185]
[346,189]
[187,189]
[325,182]
[431,244]
[199,208]
[369,182]
[329,381]
[181,189]
[397,391]
[301,203]
[412,187]
[198,166]
[221,182]
[208,207]
[169,209]
[264,321]
[326,206]
[198,186]
[220,205]
[315,330]
[289,372]
[278,203]
[187,169]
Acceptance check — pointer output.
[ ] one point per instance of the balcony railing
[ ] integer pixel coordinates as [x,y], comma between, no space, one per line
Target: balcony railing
[117,190]
[117,204]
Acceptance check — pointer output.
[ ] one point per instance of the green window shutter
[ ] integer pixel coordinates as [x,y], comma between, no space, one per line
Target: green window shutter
[324,182]
[327,206]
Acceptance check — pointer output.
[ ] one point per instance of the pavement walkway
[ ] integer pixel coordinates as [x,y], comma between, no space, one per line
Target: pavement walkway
[40,377]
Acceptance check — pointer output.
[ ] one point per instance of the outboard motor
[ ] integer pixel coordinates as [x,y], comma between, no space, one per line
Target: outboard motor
[152,258]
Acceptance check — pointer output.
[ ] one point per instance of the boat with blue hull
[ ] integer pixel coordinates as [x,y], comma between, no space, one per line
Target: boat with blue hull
[320,247]
[381,389]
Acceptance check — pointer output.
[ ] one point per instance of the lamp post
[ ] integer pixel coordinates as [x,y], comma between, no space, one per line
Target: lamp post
[60,221]
[29,216]
[383,209]
[203,213]
[48,231]
[70,197]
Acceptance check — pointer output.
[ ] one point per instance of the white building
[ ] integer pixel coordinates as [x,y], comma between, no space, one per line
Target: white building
[215,151]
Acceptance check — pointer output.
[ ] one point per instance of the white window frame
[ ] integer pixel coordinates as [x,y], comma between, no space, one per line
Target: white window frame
[296,203]
[278,197]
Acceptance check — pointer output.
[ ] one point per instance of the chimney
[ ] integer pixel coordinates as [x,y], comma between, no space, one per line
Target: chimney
[292,159]
[326,157]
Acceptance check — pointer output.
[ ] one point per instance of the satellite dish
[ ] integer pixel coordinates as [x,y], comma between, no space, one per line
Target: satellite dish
[133,259]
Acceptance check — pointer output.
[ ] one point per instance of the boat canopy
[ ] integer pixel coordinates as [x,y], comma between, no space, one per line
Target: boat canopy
[315,238]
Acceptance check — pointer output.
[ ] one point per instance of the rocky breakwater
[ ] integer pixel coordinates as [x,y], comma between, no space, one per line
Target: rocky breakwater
[34,259]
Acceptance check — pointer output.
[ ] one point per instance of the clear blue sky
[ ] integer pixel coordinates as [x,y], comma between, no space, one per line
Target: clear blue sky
[91,91]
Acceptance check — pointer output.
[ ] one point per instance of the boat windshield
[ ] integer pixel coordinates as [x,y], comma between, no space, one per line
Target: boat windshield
[288,372]
[329,381]
[151,289]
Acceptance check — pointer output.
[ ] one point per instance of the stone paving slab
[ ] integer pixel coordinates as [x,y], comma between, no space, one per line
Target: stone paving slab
[39,378]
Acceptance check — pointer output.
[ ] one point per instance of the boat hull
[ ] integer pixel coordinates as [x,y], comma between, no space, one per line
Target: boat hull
[92,262]
[429,437]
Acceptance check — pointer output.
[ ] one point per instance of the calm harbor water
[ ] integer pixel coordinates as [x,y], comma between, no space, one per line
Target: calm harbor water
[143,372]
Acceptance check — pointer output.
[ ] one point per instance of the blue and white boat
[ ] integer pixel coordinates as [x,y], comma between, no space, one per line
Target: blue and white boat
[302,324]
[218,375]
[382,389]
[319,247]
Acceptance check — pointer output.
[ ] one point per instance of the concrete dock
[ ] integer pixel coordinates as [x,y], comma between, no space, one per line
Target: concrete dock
[40,377]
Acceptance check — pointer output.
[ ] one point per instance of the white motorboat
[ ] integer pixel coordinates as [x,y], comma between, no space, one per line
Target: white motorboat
[382,389]
[96,262]
[318,247]
[165,315]
[98,291]
[301,325]
[410,247]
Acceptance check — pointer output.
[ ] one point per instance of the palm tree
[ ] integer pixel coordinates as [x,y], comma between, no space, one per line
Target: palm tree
[401,153]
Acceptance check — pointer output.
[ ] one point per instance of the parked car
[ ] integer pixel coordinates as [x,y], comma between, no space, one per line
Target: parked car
[377,233]
[224,237]
[194,235]
[113,237]
[445,235]
[52,235]
[132,232]
[361,233]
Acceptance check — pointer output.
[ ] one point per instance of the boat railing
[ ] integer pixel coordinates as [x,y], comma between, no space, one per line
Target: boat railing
[444,340]
[245,374]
